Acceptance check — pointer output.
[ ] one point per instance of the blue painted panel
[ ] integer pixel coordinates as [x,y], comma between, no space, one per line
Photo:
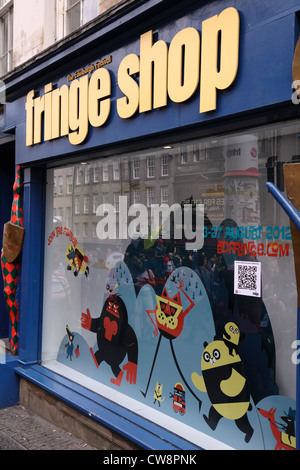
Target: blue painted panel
[120,420]
[31,267]
[267,42]
[9,395]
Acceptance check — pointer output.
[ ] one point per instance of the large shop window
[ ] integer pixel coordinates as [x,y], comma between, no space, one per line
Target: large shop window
[198,337]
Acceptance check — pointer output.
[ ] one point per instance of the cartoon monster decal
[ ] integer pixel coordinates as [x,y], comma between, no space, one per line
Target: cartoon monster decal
[231,337]
[158,394]
[77,261]
[223,378]
[115,338]
[169,321]
[284,435]
[289,428]
[180,313]
[69,345]
[178,399]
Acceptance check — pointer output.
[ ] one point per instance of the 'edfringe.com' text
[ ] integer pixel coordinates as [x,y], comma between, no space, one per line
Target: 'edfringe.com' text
[159,220]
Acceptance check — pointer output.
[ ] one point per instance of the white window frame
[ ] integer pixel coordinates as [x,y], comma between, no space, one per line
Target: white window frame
[86,204]
[78,175]
[184,157]
[136,169]
[60,185]
[87,174]
[69,184]
[196,155]
[116,170]
[151,167]
[165,165]
[150,196]
[95,202]
[96,173]
[136,196]
[6,8]
[117,202]
[77,205]
[164,194]
[105,175]
[68,9]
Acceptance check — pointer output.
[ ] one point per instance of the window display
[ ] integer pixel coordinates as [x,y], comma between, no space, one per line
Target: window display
[169,285]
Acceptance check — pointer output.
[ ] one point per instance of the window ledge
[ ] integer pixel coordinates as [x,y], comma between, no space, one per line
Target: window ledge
[143,433]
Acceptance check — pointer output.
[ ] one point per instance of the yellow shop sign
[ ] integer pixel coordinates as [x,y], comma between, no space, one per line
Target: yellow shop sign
[208,62]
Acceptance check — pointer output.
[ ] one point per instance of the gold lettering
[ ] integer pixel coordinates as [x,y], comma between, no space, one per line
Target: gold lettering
[60,112]
[129,104]
[227,25]
[146,81]
[183,78]
[39,108]
[48,112]
[29,118]
[78,110]
[100,88]
[153,73]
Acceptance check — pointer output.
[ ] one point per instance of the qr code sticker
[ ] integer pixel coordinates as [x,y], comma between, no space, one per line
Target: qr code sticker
[247,278]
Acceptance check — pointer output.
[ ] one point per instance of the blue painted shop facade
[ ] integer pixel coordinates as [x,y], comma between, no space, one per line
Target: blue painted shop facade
[173,346]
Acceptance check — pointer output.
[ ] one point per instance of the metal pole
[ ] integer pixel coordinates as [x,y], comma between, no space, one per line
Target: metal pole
[294,215]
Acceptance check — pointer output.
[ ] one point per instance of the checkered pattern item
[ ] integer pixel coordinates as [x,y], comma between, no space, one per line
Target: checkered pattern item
[10,271]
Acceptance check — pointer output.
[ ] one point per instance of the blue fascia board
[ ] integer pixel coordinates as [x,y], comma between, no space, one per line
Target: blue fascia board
[267,43]
[142,432]
[264,78]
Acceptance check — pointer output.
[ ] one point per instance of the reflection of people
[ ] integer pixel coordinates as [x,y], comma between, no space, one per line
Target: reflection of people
[132,263]
[170,263]
[160,251]
[251,315]
[144,276]
[204,274]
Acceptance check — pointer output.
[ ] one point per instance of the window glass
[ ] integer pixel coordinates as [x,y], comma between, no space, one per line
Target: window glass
[73,15]
[79,12]
[199,337]
[6,40]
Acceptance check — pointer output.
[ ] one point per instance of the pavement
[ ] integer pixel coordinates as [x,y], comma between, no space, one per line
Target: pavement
[21,429]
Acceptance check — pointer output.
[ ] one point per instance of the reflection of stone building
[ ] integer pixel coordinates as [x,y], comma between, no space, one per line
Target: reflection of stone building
[168,175]
[144,179]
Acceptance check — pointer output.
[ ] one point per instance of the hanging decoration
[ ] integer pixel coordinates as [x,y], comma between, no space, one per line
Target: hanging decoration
[13,237]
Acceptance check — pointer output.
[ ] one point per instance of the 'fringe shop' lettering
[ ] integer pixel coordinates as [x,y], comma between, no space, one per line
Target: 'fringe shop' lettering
[68,111]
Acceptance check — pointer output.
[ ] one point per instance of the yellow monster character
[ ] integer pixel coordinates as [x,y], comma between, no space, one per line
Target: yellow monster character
[224,380]
[158,394]
[231,337]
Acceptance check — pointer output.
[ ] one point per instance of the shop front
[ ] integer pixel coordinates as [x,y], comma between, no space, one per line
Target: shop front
[158,276]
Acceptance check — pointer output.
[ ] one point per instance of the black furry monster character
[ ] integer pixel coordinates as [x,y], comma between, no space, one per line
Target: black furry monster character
[115,338]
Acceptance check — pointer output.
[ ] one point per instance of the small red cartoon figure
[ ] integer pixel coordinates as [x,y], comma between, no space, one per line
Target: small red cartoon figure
[178,399]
